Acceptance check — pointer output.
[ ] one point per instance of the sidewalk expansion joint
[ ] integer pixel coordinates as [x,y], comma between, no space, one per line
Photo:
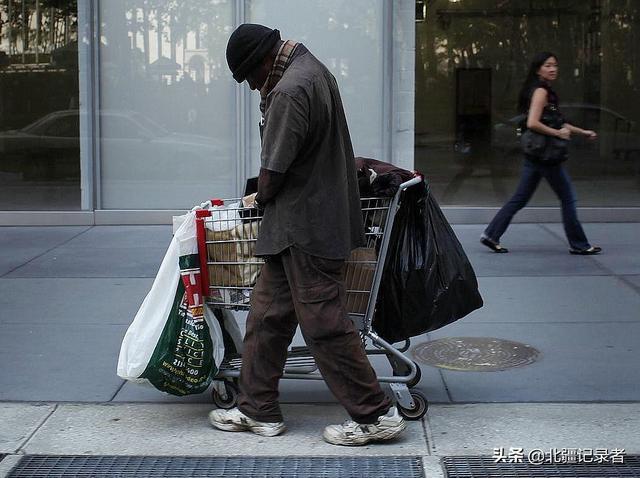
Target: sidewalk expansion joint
[117,391]
[19,450]
[623,278]
[45,252]
[428,434]
[446,387]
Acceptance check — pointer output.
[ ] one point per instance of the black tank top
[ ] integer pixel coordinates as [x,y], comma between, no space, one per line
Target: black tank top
[551,115]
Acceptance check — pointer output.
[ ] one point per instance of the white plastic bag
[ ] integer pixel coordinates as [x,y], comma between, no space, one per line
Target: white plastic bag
[172,343]
[224,218]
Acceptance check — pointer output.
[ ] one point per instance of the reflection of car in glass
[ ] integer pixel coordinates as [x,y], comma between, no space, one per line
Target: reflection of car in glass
[617,136]
[137,146]
[46,149]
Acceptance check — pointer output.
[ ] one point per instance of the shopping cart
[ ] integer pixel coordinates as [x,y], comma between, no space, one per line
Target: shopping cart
[226,243]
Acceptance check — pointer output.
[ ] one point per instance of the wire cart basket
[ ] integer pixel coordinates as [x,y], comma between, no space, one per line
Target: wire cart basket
[226,245]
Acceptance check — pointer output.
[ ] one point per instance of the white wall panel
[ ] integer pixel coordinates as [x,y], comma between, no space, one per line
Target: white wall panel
[167,119]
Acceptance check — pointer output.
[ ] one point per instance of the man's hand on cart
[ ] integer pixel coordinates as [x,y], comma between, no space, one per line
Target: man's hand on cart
[204,205]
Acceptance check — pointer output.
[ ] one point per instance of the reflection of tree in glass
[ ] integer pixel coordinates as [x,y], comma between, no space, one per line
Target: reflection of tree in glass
[34,28]
[168,56]
[172,20]
[594,40]
[621,66]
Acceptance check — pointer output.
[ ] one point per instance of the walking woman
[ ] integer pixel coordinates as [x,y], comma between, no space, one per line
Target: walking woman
[539,103]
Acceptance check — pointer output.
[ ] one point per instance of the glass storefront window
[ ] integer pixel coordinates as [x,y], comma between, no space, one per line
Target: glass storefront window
[167,129]
[168,114]
[39,121]
[348,38]
[471,59]
[169,123]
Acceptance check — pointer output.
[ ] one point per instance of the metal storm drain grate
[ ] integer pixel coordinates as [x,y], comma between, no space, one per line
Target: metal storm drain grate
[233,467]
[485,467]
[475,354]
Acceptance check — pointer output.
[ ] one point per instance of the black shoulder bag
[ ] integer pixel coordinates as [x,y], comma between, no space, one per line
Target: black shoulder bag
[542,147]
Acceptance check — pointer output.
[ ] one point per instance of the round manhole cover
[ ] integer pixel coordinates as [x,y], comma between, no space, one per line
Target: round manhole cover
[475,354]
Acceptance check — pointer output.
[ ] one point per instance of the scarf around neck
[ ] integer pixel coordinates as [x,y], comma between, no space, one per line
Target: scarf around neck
[280,64]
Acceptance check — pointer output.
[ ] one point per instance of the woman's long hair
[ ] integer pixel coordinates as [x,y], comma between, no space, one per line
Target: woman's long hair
[532,78]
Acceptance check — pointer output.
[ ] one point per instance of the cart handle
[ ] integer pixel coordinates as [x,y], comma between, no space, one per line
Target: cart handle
[411,182]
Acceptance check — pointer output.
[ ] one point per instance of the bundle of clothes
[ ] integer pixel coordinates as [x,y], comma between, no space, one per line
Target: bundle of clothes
[379,179]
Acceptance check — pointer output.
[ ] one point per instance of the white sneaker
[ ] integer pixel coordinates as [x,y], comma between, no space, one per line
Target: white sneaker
[235,421]
[351,433]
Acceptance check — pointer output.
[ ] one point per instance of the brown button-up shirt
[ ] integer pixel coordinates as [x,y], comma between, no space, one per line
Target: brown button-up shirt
[306,138]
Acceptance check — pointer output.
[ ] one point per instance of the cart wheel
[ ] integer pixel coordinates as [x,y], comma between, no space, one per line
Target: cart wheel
[232,396]
[421,404]
[415,380]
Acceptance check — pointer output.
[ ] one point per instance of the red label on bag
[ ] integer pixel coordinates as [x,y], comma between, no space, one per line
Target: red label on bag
[192,280]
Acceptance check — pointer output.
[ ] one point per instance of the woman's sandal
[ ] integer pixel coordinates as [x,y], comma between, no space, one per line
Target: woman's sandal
[493,245]
[586,252]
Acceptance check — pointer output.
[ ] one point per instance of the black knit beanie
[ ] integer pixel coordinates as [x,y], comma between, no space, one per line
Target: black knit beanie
[247,47]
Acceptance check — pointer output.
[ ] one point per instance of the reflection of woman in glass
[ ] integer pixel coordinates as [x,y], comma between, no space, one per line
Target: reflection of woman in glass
[540,103]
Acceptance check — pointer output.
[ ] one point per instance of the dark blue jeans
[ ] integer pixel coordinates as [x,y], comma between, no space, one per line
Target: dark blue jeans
[559,181]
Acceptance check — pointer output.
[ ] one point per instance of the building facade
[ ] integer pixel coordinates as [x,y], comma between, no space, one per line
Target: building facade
[124,111]
[472,57]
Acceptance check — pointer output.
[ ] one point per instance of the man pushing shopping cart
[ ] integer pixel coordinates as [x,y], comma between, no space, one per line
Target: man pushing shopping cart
[312,220]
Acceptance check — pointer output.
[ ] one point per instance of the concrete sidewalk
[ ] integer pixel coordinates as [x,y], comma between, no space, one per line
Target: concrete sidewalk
[183,430]
[67,295]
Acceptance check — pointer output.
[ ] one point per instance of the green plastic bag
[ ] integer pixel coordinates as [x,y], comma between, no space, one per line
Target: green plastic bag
[182,362]
[172,343]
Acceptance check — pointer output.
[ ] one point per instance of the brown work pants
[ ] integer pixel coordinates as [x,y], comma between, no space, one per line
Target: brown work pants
[297,288]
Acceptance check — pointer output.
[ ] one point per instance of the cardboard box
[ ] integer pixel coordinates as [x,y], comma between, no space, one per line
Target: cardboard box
[237,247]
[361,267]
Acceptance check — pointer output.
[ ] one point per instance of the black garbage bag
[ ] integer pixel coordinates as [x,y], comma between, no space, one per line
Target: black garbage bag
[427,281]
